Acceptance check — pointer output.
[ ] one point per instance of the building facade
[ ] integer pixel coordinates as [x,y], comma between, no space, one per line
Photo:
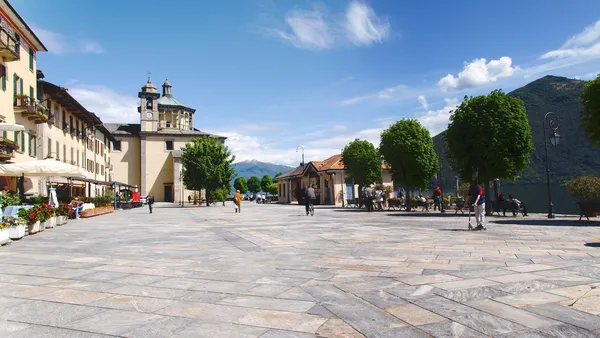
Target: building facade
[148,154]
[329,180]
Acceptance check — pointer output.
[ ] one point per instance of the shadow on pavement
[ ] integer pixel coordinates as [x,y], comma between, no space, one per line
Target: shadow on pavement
[426,214]
[465,229]
[593,245]
[549,222]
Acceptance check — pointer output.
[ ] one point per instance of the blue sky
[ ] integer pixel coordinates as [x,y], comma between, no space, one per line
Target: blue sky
[272,75]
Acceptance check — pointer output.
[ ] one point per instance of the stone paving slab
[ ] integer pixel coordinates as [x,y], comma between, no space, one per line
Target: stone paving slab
[273,272]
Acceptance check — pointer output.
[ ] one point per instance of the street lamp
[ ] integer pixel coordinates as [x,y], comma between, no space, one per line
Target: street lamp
[298,147]
[550,120]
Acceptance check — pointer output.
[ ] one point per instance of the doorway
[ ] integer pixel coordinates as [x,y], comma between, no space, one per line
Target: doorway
[168,193]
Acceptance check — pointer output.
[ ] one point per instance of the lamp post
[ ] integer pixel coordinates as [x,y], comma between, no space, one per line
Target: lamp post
[551,121]
[181,186]
[298,147]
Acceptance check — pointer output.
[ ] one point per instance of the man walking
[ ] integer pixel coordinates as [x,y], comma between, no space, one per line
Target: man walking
[237,201]
[478,201]
[150,200]
[309,197]
[369,198]
[437,199]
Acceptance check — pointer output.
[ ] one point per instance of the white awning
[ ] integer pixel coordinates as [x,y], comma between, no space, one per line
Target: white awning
[48,167]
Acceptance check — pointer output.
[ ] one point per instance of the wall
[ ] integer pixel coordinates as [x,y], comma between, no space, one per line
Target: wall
[126,163]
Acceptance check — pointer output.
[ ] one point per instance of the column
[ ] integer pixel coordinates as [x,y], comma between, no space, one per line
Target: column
[177,183]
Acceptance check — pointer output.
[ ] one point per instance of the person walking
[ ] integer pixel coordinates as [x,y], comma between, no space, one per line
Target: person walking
[150,200]
[369,198]
[478,201]
[379,198]
[237,201]
[309,197]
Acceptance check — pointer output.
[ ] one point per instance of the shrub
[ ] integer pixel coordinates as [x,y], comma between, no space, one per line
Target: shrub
[9,199]
[30,216]
[585,189]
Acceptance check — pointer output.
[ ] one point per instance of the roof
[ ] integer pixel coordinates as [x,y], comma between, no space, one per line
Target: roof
[134,129]
[123,129]
[22,26]
[332,163]
[170,101]
[62,96]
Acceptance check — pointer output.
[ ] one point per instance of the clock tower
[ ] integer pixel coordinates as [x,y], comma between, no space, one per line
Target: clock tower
[148,108]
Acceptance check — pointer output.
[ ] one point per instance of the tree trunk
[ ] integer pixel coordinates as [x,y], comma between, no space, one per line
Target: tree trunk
[408,199]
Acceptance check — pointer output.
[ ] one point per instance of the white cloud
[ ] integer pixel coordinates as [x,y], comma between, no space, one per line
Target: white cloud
[437,121]
[317,30]
[385,94]
[108,104]
[309,30]
[423,101]
[363,26]
[58,43]
[584,44]
[477,73]
[339,128]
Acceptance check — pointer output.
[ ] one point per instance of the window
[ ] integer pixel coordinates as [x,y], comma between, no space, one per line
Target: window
[65,153]
[72,157]
[64,120]
[31,138]
[49,148]
[117,145]
[97,168]
[23,141]
[57,151]
[78,158]
[102,169]
[83,160]
[77,127]
[3,71]
[31,59]
[169,145]
[17,44]
[71,129]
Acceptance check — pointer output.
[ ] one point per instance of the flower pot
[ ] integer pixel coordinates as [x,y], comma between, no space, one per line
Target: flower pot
[42,225]
[34,228]
[4,236]
[16,231]
[51,222]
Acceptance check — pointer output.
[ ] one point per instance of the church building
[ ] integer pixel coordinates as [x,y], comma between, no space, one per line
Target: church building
[148,154]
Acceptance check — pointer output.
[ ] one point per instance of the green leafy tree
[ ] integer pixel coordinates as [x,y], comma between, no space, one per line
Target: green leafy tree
[254,184]
[278,174]
[265,182]
[217,195]
[241,185]
[206,164]
[362,163]
[590,116]
[273,189]
[489,137]
[408,148]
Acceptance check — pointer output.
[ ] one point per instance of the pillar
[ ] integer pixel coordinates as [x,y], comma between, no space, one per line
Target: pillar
[177,182]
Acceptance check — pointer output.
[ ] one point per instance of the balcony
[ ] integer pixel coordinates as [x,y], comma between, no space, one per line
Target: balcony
[31,109]
[10,48]
[7,149]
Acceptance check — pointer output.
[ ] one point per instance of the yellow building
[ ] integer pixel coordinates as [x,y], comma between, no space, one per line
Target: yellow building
[73,135]
[18,61]
[148,154]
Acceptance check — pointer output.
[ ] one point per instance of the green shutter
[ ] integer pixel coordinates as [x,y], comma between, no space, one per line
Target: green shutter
[30,58]
[31,93]
[35,146]
[15,77]
[23,142]
[3,77]
[4,134]
[21,86]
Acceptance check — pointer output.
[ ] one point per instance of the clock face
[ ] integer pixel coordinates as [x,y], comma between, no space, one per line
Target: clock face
[149,115]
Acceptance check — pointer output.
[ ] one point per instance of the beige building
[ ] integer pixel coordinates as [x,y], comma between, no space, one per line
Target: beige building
[148,154]
[18,70]
[328,178]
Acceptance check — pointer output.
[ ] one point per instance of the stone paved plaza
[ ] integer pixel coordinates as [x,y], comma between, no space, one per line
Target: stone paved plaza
[272,272]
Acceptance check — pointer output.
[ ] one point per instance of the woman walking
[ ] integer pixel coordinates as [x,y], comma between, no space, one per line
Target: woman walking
[237,200]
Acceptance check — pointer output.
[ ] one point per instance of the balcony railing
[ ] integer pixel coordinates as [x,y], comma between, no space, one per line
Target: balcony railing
[31,109]
[7,149]
[10,48]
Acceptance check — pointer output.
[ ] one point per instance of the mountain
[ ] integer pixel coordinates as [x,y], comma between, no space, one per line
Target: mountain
[572,157]
[248,169]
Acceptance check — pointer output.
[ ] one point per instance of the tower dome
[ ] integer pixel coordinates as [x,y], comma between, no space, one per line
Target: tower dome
[167,88]
[149,87]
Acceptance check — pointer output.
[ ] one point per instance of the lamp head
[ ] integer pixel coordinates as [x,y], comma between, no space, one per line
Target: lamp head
[554,138]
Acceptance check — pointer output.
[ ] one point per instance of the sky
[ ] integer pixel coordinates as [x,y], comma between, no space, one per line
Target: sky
[274,75]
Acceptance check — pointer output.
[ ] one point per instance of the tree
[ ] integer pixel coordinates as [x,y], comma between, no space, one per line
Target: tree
[408,148]
[590,116]
[278,174]
[273,189]
[362,162]
[206,164]
[254,184]
[265,182]
[241,185]
[489,137]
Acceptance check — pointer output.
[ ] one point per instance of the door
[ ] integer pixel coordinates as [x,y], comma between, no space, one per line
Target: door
[168,193]
[327,193]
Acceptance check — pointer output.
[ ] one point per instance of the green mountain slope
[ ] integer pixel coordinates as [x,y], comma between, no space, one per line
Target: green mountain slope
[573,157]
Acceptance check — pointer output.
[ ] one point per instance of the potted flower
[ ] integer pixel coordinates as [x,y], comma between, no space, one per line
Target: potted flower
[4,235]
[62,214]
[32,219]
[49,214]
[445,203]
[17,227]
[586,190]
[22,100]
[196,196]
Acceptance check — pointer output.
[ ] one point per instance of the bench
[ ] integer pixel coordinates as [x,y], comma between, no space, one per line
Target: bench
[507,205]
[350,203]
[461,206]
[393,204]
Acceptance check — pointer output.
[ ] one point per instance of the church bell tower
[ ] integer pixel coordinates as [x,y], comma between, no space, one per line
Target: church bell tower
[148,108]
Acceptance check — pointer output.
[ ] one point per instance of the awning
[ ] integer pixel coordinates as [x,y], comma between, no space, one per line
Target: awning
[48,167]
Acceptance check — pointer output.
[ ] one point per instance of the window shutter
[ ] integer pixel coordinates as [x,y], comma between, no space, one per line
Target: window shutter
[34,146]
[21,86]
[31,93]
[23,141]
[3,69]
[15,84]
[30,58]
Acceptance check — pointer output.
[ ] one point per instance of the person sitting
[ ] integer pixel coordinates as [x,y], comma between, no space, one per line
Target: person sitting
[518,205]
[423,200]
[501,198]
[77,206]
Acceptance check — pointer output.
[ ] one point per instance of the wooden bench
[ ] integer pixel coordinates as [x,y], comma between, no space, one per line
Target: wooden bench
[507,205]
[393,204]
